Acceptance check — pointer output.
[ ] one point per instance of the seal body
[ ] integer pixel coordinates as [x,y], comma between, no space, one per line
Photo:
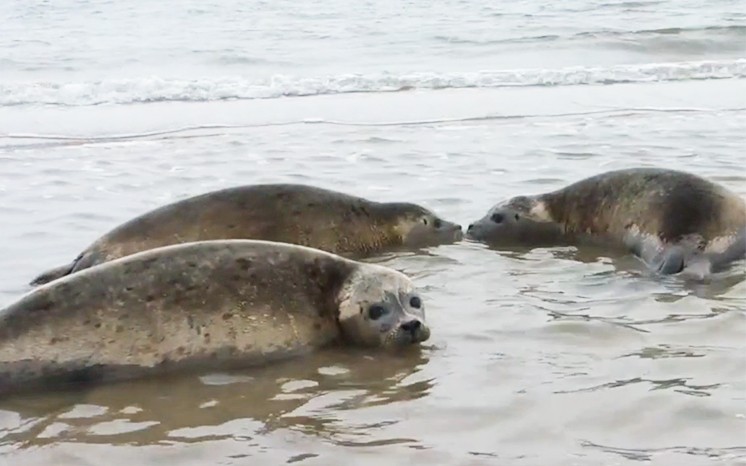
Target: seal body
[671,219]
[291,213]
[220,303]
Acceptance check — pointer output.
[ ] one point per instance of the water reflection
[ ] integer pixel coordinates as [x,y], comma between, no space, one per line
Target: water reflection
[308,395]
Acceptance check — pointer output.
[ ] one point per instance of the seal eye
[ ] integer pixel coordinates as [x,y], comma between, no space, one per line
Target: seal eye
[376,311]
[517,217]
[497,218]
[437,223]
[415,302]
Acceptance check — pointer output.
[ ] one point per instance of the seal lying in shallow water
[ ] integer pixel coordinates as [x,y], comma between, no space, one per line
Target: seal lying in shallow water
[217,304]
[670,219]
[289,213]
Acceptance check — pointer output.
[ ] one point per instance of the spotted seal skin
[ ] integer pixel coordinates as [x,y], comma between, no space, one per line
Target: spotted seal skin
[216,304]
[672,220]
[291,213]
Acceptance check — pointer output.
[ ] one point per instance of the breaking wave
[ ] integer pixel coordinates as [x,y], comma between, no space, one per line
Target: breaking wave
[158,89]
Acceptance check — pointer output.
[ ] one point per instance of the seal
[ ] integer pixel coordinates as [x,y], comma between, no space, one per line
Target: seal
[290,213]
[672,220]
[216,304]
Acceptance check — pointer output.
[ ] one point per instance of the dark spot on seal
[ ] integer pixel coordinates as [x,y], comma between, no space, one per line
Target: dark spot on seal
[192,264]
[97,325]
[120,328]
[44,305]
[148,262]
[227,316]
[231,226]
[317,326]
[149,298]
[244,263]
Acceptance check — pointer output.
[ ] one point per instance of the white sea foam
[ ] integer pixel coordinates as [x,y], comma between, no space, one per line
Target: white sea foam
[158,89]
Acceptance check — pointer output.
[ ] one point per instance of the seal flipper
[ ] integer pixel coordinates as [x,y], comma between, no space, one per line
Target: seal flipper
[53,274]
[736,251]
[660,258]
[669,261]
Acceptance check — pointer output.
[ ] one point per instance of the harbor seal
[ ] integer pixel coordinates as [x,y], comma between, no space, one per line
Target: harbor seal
[290,213]
[216,304]
[671,220]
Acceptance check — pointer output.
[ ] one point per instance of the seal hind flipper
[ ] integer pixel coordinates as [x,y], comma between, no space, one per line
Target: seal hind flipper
[53,274]
[734,252]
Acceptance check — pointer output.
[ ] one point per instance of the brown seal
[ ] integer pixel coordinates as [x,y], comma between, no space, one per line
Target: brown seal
[308,216]
[671,219]
[222,303]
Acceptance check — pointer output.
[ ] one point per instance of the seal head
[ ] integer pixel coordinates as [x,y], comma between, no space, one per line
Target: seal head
[420,227]
[521,220]
[381,307]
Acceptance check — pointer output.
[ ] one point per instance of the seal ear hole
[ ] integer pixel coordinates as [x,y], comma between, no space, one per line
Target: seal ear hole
[424,220]
[497,218]
[415,302]
[517,217]
[376,311]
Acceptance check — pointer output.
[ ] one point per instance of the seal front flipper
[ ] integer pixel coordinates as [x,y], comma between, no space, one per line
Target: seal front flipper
[669,261]
[53,274]
[666,260]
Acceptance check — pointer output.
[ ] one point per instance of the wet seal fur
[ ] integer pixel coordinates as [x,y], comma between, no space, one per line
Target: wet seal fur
[216,304]
[672,220]
[290,213]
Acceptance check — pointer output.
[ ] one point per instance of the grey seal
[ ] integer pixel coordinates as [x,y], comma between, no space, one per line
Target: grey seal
[216,304]
[291,213]
[672,220]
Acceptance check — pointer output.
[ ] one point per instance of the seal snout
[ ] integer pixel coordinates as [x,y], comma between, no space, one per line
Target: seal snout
[458,232]
[412,326]
[474,230]
[450,230]
[415,330]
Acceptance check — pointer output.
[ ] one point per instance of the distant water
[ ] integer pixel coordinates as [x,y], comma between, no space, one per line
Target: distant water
[551,356]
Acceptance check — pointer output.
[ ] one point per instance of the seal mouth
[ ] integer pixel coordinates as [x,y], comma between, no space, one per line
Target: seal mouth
[411,333]
[474,232]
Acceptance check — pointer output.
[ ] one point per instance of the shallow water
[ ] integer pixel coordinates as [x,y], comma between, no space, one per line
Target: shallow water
[547,356]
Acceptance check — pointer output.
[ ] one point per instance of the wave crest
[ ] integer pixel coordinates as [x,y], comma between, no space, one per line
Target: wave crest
[157,89]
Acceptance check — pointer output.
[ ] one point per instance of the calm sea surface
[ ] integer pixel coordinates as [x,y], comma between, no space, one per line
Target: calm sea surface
[538,357]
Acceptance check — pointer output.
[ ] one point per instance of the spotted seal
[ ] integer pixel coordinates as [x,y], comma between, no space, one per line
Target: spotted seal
[672,220]
[292,213]
[218,303]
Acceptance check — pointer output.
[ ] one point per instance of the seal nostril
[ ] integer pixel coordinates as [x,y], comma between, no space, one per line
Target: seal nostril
[411,326]
[497,218]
